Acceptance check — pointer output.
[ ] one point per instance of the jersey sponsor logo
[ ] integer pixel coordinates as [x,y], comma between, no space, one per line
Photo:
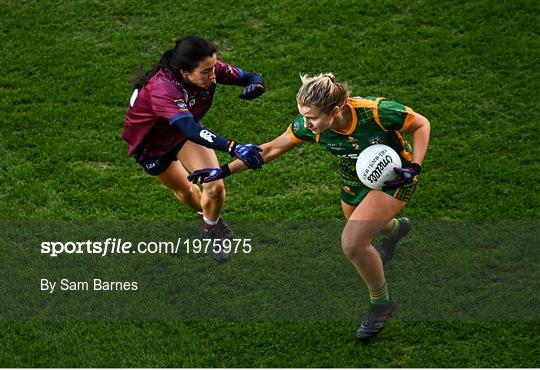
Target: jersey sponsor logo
[351,139]
[376,140]
[168,80]
[207,135]
[342,147]
[350,156]
[182,105]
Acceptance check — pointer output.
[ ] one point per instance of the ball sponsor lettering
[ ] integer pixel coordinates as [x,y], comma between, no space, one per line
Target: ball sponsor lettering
[377,172]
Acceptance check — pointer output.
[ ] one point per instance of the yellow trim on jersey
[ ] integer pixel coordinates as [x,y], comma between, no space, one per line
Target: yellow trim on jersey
[293,136]
[366,103]
[376,114]
[317,137]
[405,154]
[408,119]
[354,120]
[361,103]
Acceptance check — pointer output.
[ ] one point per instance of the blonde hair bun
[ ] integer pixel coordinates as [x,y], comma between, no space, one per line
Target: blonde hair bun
[323,91]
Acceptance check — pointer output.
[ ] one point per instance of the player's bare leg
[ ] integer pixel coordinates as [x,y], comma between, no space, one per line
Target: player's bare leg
[194,157]
[393,232]
[175,178]
[364,223]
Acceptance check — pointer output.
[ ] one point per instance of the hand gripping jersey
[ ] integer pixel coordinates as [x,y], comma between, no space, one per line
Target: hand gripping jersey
[375,121]
[164,99]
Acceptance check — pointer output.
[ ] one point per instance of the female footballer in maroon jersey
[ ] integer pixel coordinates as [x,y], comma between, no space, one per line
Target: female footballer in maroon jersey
[164,133]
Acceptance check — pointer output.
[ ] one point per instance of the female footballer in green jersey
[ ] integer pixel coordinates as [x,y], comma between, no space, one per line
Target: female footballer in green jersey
[346,126]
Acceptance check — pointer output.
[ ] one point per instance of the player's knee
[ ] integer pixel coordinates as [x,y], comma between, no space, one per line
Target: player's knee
[215,190]
[185,193]
[350,251]
[352,246]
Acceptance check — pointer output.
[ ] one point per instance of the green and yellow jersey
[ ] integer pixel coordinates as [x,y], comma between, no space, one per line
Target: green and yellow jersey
[375,121]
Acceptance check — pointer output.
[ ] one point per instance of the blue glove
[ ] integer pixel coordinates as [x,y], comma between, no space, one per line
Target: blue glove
[252,91]
[209,174]
[406,176]
[250,154]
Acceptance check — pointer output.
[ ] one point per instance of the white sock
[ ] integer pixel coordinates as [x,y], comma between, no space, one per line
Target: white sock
[210,222]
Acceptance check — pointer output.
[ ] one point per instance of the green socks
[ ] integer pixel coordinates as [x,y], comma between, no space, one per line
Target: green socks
[380,295]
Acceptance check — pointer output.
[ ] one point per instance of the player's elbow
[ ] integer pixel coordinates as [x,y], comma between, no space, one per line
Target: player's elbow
[420,123]
[424,122]
[426,127]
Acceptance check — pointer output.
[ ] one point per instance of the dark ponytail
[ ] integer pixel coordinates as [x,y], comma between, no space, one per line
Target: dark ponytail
[186,55]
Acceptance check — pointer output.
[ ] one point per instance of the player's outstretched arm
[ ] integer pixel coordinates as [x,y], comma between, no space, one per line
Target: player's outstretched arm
[270,150]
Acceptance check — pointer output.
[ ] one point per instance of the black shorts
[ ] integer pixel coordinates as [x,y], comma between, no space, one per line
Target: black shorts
[155,166]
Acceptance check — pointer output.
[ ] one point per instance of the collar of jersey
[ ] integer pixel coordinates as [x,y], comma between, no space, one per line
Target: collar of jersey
[354,121]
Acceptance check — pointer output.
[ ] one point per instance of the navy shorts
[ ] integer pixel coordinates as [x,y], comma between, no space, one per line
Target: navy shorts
[155,166]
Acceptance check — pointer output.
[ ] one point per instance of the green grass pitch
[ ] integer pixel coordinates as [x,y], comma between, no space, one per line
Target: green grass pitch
[471,67]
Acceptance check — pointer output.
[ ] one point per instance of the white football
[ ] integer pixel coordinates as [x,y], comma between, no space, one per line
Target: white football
[376,164]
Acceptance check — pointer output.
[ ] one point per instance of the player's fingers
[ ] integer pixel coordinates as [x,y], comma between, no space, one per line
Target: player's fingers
[198,176]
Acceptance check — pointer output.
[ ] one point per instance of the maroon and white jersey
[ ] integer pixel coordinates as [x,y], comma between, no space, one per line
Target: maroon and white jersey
[163,100]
